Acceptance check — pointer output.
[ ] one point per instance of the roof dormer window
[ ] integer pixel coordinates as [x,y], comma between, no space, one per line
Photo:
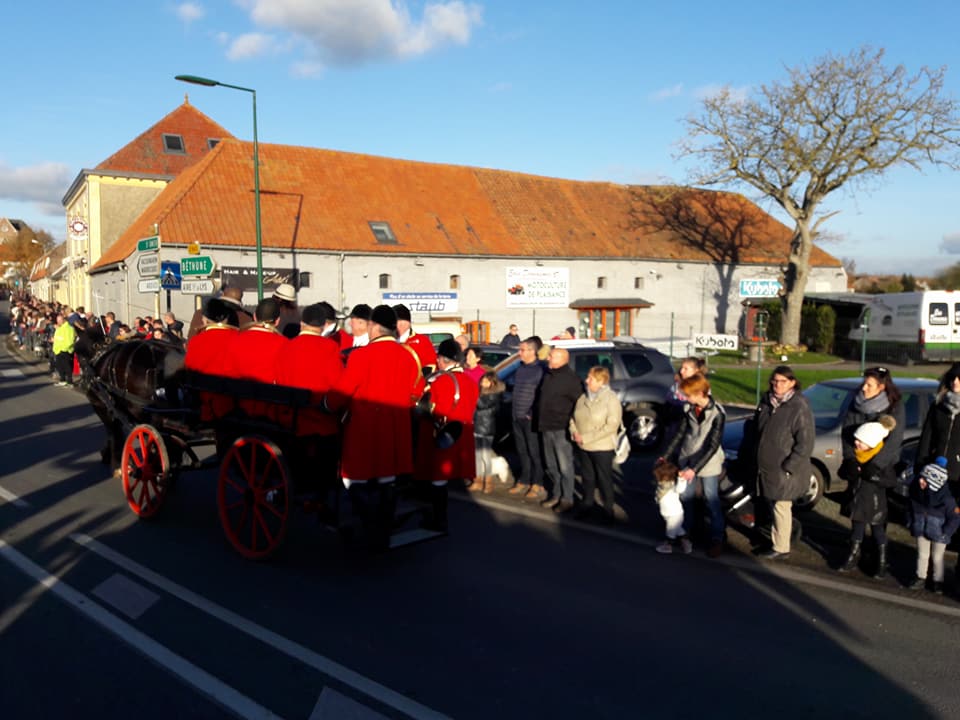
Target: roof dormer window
[383,233]
[173,144]
[212,143]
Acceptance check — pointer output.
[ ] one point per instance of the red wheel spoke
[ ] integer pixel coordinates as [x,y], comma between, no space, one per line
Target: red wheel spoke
[263,526]
[143,495]
[234,506]
[271,508]
[234,485]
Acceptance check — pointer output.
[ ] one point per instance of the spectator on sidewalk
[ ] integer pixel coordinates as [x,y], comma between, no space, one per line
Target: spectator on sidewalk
[526,385]
[559,392]
[64,339]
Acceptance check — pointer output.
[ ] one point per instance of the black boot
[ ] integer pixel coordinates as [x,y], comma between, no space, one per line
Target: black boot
[438,514]
[851,562]
[881,572]
[386,511]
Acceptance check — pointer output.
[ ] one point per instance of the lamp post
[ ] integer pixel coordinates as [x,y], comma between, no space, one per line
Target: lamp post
[194,79]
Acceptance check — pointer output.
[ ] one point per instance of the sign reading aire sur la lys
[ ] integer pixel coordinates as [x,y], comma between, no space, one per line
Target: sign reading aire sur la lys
[197,265]
[148,243]
[196,287]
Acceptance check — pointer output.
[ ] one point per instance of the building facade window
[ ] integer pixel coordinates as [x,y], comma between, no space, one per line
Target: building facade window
[638,283]
[605,323]
[383,233]
[173,144]
[601,282]
[454,282]
[384,281]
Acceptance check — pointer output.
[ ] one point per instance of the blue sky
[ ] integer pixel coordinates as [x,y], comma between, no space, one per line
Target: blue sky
[588,91]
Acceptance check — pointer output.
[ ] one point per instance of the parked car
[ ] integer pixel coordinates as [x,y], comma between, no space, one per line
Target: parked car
[640,376]
[829,401]
[493,354]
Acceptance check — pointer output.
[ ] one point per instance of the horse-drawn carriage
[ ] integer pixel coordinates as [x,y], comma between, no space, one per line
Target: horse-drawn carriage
[154,413]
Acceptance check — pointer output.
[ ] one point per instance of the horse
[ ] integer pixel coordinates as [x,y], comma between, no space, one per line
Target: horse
[124,380]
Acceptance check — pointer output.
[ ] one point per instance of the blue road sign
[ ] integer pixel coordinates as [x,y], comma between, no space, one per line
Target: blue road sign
[170,275]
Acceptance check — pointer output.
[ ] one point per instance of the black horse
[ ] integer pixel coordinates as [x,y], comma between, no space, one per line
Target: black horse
[127,381]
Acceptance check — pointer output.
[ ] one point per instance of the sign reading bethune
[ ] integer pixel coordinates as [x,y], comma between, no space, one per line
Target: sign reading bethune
[535,287]
[196,265]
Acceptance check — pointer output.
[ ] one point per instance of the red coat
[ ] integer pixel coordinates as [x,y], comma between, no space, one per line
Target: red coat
[253,356]
[313,362]
[423,348]
[208,352]
[458,461]
[379,388]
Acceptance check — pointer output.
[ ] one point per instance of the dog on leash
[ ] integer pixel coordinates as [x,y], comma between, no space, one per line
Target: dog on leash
[501,468]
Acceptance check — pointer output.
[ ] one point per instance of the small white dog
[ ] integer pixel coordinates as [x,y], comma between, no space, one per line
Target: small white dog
[501,468]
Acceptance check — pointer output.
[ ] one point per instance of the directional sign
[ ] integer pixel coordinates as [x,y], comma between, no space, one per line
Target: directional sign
[170,275]
[149,243]
[196,287]
[759,288]
[199,265]
[149,286]
[148,265]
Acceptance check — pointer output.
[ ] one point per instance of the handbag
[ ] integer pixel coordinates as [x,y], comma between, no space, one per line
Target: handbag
[622,451]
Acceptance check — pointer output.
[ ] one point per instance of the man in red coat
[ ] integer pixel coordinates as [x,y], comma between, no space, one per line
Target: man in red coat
[445,445]
[255,351]
[378,389]
[312,361]
[420,344]
[208,351]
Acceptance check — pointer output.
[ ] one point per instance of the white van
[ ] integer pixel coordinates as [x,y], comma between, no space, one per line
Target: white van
[911,326]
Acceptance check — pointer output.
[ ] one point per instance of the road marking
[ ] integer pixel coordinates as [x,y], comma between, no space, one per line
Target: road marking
[781,571]
[12,373]
[130,598]
[308,657]
[13,499]
[332,705]
[204,682]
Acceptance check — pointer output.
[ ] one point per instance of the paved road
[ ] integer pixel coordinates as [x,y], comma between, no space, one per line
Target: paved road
[517,614]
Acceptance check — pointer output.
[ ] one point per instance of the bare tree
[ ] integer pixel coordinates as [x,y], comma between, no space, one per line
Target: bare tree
[842,121]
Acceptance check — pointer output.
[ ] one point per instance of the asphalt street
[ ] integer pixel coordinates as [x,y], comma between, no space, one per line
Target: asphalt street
[517,614]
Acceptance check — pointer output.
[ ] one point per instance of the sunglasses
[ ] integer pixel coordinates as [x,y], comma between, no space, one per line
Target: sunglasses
[879,371]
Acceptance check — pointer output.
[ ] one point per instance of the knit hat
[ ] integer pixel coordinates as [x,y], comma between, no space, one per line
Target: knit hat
[316,315]
[935,473]
[450,349]
[384,316]
[871,434]
[402,311]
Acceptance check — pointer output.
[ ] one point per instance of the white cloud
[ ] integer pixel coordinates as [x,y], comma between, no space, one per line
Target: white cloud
[737,94]
[667,92]
[250,45]
[950,244]
[40,185]
[343,32]
[189,12]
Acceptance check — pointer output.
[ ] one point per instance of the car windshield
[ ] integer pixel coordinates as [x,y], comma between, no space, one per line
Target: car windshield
[828,403]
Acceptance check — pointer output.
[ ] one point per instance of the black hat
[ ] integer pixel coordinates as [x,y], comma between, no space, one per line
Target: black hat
[450,349]
[217,310]
[361,311]
[402,311]
[316,315]
[384,316]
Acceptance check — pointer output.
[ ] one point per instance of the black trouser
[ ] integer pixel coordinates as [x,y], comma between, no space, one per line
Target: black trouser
[528,448]
[596,470]
[858,531]
[315,461]
[65,366]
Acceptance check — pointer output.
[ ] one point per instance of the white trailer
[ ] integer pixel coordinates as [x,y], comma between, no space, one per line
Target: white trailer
[911,326]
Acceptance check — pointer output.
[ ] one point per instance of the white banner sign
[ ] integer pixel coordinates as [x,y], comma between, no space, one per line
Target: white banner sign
[538,287]
[148,286]
[716,342]
[196,287]
[759,288]
[425,302]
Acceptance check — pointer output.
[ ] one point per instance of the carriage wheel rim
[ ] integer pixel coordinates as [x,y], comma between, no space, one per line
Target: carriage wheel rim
[253,497]
[144,467]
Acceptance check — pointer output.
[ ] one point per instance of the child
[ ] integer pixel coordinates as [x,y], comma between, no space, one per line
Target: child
[485,430]
[670,487]
[934,517]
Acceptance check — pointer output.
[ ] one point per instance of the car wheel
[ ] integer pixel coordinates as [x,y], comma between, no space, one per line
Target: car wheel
[814,492]
[644,428]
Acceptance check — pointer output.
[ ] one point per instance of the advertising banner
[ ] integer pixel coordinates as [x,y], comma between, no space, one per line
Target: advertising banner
[538,287]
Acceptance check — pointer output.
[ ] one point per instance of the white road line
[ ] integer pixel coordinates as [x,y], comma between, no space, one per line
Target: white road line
[13,499]
[308,657]
[783,572]
[12,373]
[207,684]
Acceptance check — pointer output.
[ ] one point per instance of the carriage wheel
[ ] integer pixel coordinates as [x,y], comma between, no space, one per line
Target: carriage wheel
[144,470]
[253,495]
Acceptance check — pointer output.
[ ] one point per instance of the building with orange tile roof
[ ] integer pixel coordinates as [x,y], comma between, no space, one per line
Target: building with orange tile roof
[461,244]
[103,201]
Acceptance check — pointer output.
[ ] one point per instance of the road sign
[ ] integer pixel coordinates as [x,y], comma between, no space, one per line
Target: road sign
[148,265]
[196,287]
[150,285]
[193,248]
[170,275]
[759,288]
[148,243]
[201,265]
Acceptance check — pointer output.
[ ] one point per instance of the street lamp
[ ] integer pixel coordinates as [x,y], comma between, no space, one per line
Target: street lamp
[194,79]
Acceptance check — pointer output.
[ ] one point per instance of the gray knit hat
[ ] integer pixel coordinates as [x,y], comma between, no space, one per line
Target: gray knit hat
[935,473]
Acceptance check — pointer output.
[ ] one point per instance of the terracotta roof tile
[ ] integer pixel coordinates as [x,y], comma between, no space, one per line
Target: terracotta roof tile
[325,200]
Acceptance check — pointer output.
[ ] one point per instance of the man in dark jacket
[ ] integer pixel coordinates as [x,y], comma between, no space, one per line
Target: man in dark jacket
[559,392]
[526,384]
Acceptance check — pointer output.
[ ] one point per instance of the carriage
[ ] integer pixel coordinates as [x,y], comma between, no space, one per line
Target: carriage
[153,411]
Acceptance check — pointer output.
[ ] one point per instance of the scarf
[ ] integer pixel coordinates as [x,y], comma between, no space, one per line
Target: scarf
[952,402]
[864,456]
[778,400]
[874,406]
